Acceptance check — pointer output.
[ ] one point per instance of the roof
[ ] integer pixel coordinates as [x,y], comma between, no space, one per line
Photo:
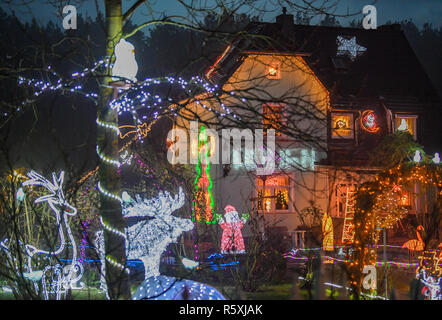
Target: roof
[388,69]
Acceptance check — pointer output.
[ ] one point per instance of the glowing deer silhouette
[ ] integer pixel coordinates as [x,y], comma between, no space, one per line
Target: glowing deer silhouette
[148,238]
[55,279]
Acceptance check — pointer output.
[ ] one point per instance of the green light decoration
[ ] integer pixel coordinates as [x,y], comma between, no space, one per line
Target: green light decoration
[203,204]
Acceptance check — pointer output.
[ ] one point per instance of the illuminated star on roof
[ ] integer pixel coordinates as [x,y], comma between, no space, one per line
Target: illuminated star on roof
[349,47]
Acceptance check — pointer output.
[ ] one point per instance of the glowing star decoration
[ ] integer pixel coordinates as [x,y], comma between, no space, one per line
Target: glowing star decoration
[417,156]
[403,126]
[55,279]
[349,47]
[125,64]
[369,121]
[327,233]
[232,241]
[436,158]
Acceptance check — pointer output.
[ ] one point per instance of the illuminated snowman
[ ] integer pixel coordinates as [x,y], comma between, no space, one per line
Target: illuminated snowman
[125,64]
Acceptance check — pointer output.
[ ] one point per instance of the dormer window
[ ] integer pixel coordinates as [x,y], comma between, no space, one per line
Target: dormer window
[274,70]
[342,126]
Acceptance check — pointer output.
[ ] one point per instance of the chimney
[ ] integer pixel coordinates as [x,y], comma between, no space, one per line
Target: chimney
[285,19]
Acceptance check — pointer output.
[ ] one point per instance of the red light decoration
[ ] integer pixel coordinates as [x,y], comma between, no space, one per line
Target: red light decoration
[369,121]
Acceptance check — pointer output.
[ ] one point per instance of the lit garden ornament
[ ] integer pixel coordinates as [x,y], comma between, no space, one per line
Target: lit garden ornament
[20,194]
[126,197]
[417,156]
[436,158]
[125,64]
[147,239]
[349,47]
[232,240]
[55,279]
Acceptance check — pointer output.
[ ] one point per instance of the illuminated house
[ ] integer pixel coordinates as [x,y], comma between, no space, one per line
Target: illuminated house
[331,94]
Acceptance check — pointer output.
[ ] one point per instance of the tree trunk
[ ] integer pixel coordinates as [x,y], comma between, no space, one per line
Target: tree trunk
[107,141]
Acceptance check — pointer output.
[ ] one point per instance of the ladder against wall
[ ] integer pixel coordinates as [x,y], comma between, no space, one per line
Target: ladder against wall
[348,232]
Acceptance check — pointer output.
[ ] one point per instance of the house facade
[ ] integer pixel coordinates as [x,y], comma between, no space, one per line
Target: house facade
[331,94]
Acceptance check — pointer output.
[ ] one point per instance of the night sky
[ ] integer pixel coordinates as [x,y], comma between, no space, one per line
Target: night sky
[420,11]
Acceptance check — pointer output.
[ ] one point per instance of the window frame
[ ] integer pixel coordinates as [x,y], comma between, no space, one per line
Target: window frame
[272,188]
[283,121]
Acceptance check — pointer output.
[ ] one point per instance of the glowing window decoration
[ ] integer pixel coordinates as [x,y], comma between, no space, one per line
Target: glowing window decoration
[349,47]
[125,64]
[203,204]
[342,126]
[232,241]
[369,121]
[406,123]
[274,70]
[273,117]
[273,194]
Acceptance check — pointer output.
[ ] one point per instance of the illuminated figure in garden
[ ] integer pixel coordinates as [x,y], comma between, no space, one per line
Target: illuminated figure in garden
[147,239]
[203,202]
[55,278]
[232,240]
[125,64]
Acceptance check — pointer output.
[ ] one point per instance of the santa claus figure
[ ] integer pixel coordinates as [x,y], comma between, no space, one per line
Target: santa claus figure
[231,240]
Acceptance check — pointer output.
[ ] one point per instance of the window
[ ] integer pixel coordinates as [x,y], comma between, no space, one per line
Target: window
[273,117]
[342,126]
[274,70]
[406,123]
[273,193]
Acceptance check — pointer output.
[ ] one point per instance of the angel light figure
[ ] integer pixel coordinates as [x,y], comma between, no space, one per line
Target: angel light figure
[125,64]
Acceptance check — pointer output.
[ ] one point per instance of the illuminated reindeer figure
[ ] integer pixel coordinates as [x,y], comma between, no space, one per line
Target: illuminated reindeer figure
[148,238]
[55,279]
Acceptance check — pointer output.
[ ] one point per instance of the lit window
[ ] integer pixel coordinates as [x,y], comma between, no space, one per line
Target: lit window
[406,123]
[273,194]
[272,117]
[274,70]
[405,199]
[342,126]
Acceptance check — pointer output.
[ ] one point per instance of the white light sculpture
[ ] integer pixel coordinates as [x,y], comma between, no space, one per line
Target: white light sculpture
[436,158]
[125,64]
[417,156]
[349,47]
[147,239]
[55,279]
